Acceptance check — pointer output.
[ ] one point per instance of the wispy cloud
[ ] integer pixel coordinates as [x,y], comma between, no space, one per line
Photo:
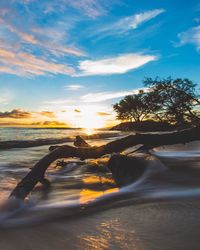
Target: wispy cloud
[29,47]
[26,45]
[103,114]
[21,34]
[126,24]
[74,87]
[49,39]
[104,96]
[191,36]
[115,65]
[24,64]
[60,102]
[90,8]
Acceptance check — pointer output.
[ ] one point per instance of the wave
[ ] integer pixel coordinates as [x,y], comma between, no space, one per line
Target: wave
[32,143]
[156,184]
[4,145]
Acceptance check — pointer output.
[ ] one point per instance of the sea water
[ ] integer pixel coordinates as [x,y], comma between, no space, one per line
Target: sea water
[82,187]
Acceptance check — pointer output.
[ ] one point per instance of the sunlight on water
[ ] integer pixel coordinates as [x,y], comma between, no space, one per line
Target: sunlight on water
[88,131]
[87,195]
[97,179]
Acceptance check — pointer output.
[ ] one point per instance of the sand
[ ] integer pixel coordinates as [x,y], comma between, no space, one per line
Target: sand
[162,226]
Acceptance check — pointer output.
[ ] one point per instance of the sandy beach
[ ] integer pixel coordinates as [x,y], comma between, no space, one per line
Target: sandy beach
[156,226]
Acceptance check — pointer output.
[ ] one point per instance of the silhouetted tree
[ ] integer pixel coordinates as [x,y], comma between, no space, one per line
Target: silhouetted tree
[170,100]
[177,99]
[135,107]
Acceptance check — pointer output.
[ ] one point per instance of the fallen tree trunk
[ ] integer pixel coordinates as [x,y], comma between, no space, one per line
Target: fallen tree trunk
[127,169]
[37,173]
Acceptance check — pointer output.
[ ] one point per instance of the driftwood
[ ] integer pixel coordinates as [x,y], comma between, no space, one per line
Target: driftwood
[127,169]
[37,173]
[80,142]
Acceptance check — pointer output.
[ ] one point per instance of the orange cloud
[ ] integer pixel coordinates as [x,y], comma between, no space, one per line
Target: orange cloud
[50,124]
[77,111]
[103,114]
[47,113]
[26,64]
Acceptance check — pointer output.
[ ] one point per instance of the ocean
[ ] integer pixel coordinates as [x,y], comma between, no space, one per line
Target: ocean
[80,190]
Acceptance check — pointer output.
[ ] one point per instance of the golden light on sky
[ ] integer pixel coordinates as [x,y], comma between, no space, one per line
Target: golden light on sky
[50,70]
[85,116]
[92,121]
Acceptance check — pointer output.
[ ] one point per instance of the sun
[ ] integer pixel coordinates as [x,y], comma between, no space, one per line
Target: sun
[91,121]
[86,117]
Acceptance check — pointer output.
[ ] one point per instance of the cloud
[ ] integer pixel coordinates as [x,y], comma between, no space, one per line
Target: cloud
[134,21]
[126,24]
[47,114]
[24,64]
[60,102]
[77,111]
[103,114]
[49,123]
[74,87]
[29,47]
[50,39]
[90,8]
[104,96]
[26,45]
[115,65]
[191,36]
[16,114]
[21,34]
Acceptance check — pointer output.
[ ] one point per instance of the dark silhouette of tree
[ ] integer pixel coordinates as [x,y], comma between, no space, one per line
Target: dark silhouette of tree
[177,98]
[172,100]
[136,107]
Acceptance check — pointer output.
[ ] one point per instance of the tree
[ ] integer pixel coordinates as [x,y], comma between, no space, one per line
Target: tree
[177,99]
[171,100]
[133,107]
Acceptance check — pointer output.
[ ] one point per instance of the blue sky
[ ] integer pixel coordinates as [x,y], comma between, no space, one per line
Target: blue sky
[68,61]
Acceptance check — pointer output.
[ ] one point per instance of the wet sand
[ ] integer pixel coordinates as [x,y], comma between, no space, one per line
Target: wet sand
[156,226]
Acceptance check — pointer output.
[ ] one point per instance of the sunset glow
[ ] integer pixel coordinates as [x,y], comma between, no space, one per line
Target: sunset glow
[66,63]
[91,120]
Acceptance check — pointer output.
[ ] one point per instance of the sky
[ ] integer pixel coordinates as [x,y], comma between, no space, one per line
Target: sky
[66,62]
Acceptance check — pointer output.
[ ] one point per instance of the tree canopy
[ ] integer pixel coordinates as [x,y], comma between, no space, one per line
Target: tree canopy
[172,100]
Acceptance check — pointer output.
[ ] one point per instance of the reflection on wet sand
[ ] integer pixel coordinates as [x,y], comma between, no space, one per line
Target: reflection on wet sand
[109,234]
